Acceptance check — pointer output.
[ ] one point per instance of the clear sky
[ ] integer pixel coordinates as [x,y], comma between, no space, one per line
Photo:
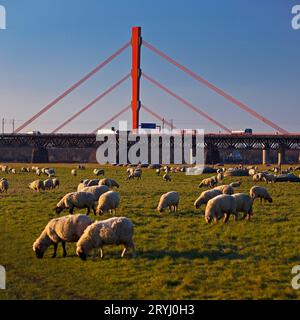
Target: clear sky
[246,47]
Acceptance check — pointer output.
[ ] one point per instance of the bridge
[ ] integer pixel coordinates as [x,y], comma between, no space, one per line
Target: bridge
[280,140]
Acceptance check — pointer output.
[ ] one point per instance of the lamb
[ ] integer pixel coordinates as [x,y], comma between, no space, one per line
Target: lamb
[235,184]
[225,189]
[3,185]
[205,196]
[108,182]
[244,203]
[117,230]
[78,200]
[97,191]
[108,201]
[55,183]
[169,199]
[260,192]
[65,229]
[167,177]
[219,207]
[269,178]
[74,172]
[36,185]
[48,184]
[208,182]
[98,172]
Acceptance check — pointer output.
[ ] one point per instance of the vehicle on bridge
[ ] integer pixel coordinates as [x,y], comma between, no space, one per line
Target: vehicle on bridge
[245,131]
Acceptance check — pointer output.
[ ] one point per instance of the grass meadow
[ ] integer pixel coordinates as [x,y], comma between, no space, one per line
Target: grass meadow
[179,256]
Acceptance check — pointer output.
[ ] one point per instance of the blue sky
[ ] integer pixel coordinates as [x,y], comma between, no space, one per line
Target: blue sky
[245,47]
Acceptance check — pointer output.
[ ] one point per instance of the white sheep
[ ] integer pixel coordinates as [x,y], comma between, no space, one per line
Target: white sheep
[74,172]
[78,200]
[168,200]
[65,229]
[97,191]
[252,172]
[225,189]
[205,196]
[235,184]
[208,182]
[113,231]
[219,207]
[48,184]
[167,177]
[55,183]
[260,192]
[135,174]
[108,201]
[36,185]
[108,182]
[244,203]
[4,185]
[13,171]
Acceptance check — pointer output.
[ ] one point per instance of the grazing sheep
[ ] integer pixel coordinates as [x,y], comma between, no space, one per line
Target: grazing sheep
[49,172]
[48,184]
[113,231]
[65,229]
[136,174]
[55,183]
[3,185]
[225,189]
[169,199]
[98,172]
[269,178]
[38,172]
[208,182]
[108,201]
[258,177]
[167,177]
[78,200]
[74,172]
[235,184]
[252,172]
[108,182]
[23,169]
[205,196]
[36,185]
[219,207]
[97,191]
[260,192]
[13,171]
[244,203]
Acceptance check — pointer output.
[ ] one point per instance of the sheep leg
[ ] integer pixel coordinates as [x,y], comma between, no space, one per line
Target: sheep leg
[94,210]
[123,252]
[71,210]
[226,218]
[55,249]
[88,210]
[235,216]
[101,253]
[64,248]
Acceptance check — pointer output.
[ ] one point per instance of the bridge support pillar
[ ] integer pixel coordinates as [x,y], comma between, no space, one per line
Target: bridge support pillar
[212,155]
[265,155]
[39,155]
[281,154]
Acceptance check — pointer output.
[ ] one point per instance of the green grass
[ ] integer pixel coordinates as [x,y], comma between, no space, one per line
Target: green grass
[179,256]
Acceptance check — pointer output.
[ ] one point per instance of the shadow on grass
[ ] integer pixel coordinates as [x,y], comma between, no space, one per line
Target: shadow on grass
[191,255]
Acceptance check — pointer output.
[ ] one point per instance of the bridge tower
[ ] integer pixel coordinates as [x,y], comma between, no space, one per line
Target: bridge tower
[136,42]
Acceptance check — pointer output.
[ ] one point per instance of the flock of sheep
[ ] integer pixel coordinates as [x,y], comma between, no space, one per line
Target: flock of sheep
[99,196]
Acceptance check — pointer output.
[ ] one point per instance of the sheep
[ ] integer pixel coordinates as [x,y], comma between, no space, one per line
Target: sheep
[258,177]
[97,191]
[48,184]
[167,177]
[98,172]
[116,230]
[3,185]
[169,199]
[64,229]
[108,182]
[90,183]
[260,192]
[244,203]
[252,172]
[74,172]
[23,169]
[219,207]
[38,172]
[13,171]
[220,177]
[36,185]
[208,182]
[225,189]
[55,183]
[235,184]
[49,172]
[108,201]
[136,174]
[205,196]
[269,178]
[78,200]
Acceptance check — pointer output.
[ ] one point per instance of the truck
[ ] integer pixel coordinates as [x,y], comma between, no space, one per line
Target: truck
[245,131]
